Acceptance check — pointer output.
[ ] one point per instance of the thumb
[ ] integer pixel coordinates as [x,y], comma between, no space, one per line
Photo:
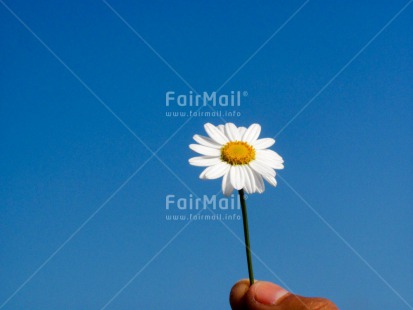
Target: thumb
[269,296]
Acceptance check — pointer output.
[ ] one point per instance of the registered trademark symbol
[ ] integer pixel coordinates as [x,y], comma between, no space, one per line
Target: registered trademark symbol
[245,93]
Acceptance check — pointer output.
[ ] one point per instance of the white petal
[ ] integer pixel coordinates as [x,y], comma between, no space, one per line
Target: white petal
[204,161]
[241,131]
[202,175]
[237,177]
[227,187]
[270,180]
[252,133]
[232,132]
[205,150]
[262,168]
[217,171]
[216,134]
[249,180]
[207,142]
[271,164]
[270,158]
[222,128]
[261,144]
[259,183]
[270,154]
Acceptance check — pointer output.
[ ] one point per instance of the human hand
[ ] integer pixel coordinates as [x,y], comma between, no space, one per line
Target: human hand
[269,296]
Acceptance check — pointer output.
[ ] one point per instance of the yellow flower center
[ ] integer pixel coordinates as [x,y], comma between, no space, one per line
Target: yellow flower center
[237,153]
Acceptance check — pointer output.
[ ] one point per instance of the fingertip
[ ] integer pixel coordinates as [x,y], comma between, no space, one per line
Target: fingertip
[238,292]
[268,293]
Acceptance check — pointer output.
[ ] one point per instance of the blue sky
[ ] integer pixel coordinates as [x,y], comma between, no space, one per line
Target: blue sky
[83,212]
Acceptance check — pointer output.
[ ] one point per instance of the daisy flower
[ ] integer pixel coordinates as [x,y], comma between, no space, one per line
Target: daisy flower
[238,156]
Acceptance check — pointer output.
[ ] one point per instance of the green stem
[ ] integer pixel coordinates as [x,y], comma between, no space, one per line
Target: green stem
[246,235]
